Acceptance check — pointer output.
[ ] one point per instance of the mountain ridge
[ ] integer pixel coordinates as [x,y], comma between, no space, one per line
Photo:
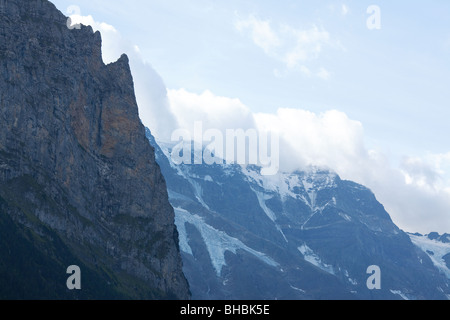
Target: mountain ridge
[301,235]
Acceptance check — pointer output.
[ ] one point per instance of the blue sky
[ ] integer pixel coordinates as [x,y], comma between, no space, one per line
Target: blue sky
[314,56]
[393,80]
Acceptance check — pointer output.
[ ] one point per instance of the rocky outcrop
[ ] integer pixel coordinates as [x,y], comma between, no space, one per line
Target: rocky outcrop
[78,180]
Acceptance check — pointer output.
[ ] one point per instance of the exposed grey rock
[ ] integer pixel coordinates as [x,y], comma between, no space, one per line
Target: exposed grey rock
[74,160]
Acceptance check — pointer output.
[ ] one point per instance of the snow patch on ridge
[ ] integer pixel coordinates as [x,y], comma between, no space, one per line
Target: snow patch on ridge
[314,259]
[270,214]
[400,293]
[436,250]
[217,242]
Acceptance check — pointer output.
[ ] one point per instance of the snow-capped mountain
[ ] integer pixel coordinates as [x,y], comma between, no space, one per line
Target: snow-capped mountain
[300,235]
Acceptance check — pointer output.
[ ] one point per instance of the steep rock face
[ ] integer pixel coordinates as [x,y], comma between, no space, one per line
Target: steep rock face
[78,179]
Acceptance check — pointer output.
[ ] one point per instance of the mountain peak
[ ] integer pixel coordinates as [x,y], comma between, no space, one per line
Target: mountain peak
[445,238]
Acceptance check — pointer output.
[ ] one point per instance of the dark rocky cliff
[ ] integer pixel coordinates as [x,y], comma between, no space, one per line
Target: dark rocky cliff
[78,180]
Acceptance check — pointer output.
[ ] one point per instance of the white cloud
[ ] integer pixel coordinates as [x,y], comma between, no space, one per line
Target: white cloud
[429,171]
[213,111]
[419,173]
[261,31]
[307,44]
[293,47]
[329,139]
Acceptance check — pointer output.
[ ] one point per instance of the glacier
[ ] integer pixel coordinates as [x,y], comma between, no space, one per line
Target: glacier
[217,242]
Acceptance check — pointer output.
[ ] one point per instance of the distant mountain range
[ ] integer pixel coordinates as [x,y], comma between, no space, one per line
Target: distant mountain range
[299,235]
